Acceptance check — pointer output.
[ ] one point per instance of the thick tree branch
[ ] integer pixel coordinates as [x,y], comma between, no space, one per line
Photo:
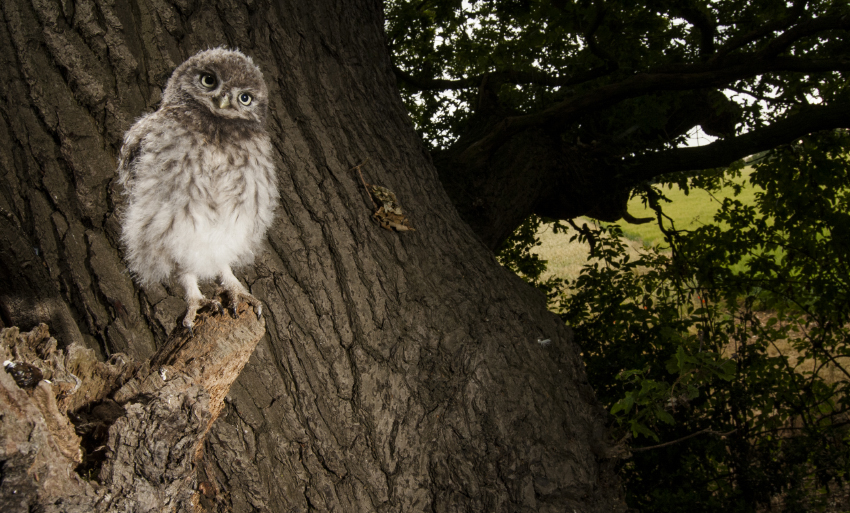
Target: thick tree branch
[117,436]
[725,151]
[590,37]
[808,28]
[590,32]
[691,77]
[698,76]
[702,20]
[508,76]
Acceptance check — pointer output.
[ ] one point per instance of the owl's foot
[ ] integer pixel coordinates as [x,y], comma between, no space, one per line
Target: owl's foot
[217,306]
[193,305]
[233,297]
[233,290]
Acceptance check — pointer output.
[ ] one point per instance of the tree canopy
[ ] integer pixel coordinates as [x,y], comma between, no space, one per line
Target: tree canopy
[720,356]
[562,108]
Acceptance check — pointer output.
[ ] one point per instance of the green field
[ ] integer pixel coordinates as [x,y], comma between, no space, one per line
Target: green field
[688,211]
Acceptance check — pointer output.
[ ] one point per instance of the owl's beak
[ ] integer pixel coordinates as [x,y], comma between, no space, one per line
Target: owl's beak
[224,102]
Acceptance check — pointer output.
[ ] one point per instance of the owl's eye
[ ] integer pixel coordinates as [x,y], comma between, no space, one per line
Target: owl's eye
[208,80]
[245,99]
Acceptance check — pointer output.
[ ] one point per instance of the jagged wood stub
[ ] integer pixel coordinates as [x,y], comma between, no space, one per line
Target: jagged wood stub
[116,436]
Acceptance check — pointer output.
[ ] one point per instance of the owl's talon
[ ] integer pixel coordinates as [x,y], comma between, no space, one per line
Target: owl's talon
[193,303]
[219,308]
[233,309]
[189,324]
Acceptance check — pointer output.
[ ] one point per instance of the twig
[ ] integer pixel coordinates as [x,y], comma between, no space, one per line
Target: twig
[591,240]
[365,186]
[665,444]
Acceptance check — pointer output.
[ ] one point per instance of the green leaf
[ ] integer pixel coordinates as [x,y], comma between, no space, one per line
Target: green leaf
[663,416]
[640,429]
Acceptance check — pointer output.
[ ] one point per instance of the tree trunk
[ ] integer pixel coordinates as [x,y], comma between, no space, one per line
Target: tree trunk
[401,371]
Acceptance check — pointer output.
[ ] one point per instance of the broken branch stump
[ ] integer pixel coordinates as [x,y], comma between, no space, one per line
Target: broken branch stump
[79,435]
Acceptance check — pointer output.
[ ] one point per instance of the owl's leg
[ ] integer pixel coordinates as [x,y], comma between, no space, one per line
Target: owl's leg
[194,298]
[233,289]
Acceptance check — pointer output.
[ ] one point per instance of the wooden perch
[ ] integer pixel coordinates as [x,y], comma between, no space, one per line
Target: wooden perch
[115,436]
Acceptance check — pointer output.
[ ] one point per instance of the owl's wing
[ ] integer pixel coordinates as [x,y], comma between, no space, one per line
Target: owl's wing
[130,150]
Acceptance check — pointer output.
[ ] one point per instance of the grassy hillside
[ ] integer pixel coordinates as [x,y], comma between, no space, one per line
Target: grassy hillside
[566,258]
[687,210]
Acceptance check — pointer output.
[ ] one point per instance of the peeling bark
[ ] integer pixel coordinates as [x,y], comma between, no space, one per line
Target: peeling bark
[115,436]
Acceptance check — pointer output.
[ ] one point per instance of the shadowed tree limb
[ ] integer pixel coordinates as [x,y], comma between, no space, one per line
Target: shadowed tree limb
[742,40]
[807,28]
[685,77]
[506,76]
[590,37]
[697,77]
[703,21]
[562,183]
[725,151]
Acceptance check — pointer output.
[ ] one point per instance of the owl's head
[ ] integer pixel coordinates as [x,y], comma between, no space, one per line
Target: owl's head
[227,82]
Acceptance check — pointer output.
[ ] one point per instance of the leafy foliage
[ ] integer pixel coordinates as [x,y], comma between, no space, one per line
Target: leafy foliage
[753,363]
[535,54]
[516,253]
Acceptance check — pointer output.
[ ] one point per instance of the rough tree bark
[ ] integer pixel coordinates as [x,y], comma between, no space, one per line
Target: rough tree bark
[400,371]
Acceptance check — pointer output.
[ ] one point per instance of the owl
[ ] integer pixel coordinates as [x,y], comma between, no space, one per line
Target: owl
[199,179]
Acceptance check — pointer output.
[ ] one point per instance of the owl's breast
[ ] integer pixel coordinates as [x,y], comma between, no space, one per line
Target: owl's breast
[235,183]
[195,201]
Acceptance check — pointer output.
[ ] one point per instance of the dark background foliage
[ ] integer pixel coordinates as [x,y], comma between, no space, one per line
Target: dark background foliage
[684,348]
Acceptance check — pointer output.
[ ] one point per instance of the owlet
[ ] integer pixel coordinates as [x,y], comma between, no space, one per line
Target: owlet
[199,179]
